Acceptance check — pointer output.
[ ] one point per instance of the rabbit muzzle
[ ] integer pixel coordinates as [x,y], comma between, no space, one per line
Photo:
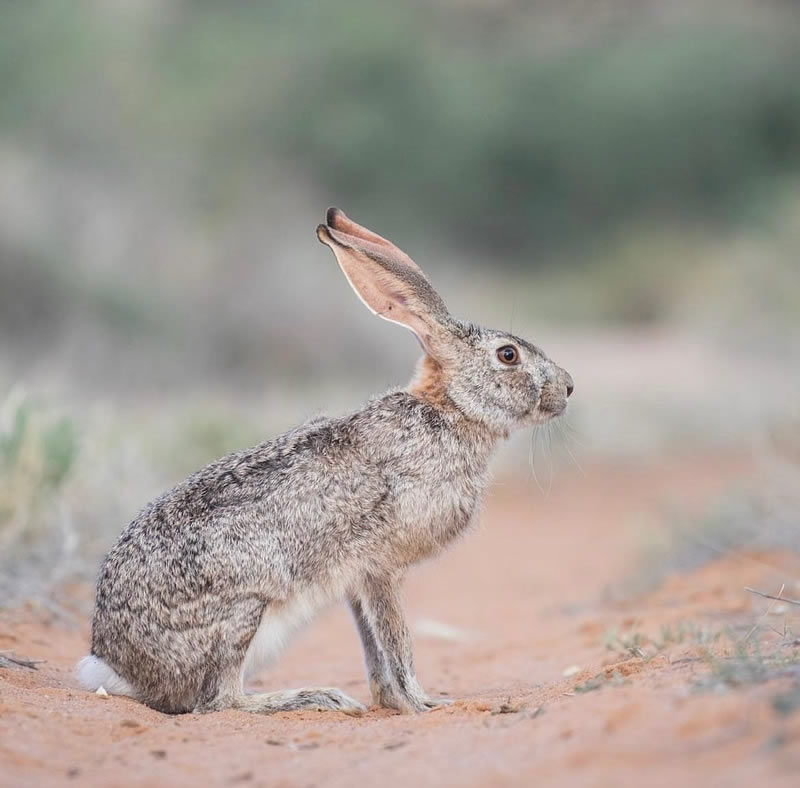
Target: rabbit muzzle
[555,392]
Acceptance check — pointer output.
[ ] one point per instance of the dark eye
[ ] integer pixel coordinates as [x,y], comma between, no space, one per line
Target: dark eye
[508,354]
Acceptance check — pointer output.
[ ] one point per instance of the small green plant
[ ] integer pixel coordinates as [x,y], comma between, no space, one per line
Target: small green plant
[12,435]
[613,679]
[786,703]
[634,643]
[59,448]
[628,644]
[687,632]
[591,684]
[746,662]
[37,453]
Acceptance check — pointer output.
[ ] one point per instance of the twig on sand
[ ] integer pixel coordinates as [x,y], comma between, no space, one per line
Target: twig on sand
[778,598]
[8,660]
[766,612]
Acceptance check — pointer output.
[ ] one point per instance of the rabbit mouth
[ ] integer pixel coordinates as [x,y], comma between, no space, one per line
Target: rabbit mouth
[540,416]
[542,412]
[550,405]
[552,401]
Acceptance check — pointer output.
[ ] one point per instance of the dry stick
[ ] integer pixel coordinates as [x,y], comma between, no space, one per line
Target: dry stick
[7,659]
[778,598]
[766,612]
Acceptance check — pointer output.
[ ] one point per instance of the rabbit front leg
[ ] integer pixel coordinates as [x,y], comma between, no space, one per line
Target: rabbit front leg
[380,680]
[387,648]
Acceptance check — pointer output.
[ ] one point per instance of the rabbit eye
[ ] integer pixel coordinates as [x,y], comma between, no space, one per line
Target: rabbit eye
[508,354]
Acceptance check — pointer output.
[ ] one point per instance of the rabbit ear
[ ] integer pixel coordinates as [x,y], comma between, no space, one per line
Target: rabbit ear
[386,279]
[337,219]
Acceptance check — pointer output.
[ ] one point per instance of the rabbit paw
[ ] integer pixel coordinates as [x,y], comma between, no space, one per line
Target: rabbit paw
[435,703]
[412,702]
[423,702]
[384,696]
[335,700]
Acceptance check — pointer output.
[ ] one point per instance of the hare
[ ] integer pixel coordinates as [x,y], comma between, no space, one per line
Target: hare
[210,580]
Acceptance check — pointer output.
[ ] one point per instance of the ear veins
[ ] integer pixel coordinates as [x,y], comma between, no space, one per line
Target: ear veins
[338,220]
[391,285]
[393,261]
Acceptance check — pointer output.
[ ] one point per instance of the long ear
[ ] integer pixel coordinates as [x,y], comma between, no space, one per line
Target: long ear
[386,279]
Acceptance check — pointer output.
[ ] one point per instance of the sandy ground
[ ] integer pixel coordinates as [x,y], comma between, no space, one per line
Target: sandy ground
[498,622]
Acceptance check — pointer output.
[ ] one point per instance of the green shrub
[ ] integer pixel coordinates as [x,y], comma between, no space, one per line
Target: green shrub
[474,122]
[37,453]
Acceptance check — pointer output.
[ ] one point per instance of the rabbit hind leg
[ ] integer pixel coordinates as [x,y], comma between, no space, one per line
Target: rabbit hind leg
[265,639]
[231,695]
[306,698]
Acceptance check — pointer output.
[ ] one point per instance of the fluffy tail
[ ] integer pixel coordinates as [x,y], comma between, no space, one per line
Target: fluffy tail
[93,673]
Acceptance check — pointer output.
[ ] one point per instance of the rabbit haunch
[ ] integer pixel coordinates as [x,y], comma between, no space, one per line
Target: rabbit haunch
[209,581]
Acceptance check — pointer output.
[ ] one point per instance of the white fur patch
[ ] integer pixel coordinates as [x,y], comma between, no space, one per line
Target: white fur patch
[94,673]
[278,625]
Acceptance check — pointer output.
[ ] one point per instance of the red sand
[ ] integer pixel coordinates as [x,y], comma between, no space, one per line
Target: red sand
[525,598]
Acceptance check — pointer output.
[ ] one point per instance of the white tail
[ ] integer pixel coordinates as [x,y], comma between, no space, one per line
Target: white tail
[93,673]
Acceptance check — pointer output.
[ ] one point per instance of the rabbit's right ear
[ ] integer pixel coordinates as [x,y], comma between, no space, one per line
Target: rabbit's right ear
[386,279]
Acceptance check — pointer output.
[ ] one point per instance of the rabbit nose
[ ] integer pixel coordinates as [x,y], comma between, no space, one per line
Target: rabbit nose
[568,381]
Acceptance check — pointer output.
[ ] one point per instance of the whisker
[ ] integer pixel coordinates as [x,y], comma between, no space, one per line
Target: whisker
[571,430]
[574,459]
[548,432]
[532,458]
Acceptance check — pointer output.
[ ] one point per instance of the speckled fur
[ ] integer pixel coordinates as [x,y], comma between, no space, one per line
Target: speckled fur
[210,580]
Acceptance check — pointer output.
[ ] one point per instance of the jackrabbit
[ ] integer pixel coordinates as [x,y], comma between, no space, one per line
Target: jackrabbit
[210,580]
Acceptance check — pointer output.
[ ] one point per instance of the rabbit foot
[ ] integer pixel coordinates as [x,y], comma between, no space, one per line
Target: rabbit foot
[408,703]
[425,703]
[318,699]
[385,698]
[435,703]
[336,700]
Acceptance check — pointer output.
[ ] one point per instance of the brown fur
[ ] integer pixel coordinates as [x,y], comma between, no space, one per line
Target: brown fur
[209,580]
[430,383]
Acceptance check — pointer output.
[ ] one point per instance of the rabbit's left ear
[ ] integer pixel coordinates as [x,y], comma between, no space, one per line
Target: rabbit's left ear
[386,279]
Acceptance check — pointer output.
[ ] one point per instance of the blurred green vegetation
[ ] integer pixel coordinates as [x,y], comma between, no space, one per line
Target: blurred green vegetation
[570,146]
[37,453]
[472,124]
[199,435]
[563,167]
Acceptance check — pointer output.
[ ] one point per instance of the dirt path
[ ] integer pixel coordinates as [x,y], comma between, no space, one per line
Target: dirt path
[498,622]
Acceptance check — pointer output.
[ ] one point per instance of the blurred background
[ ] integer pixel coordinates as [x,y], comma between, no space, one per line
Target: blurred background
[617,181]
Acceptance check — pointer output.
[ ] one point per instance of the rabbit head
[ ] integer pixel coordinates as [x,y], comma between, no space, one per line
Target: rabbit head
[491,377]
